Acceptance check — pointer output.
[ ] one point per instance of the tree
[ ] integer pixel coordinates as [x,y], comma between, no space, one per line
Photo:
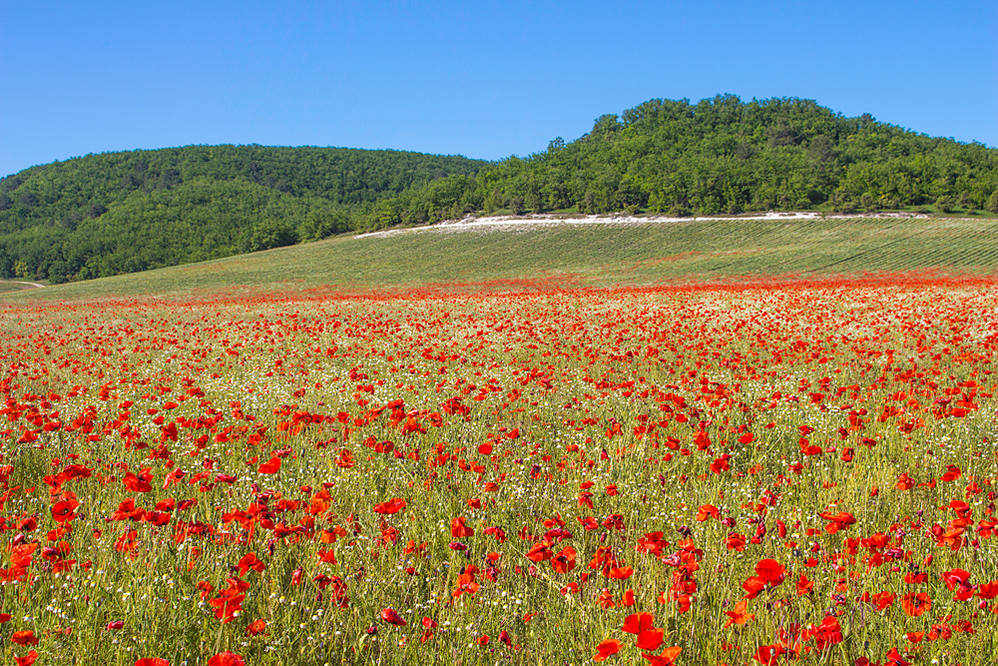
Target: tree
[992,205]
[517,205]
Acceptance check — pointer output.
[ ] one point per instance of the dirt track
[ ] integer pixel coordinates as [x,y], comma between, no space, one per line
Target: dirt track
[33,285]
[506,222]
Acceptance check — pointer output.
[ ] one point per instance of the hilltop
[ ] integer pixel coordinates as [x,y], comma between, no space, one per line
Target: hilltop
[720,156]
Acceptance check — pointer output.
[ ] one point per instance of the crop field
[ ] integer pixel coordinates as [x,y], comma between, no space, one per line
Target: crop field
[579,255]
[801,472]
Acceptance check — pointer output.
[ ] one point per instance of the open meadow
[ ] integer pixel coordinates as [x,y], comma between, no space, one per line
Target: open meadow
[797,472]
[498,334]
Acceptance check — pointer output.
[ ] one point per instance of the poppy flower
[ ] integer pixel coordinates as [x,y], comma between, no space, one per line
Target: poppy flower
[248,562]
[63,511]
[988,590]
[607,649]
[638,622]
[152,661]
[804,585]
[391,506]
[256,627]
[916,604]
[770,571]
[272,466]
[459,530]
[391,617]
[956,577]
[564,561]
[738,615]
[882,600]
[707,511]
[753,585]
[24,637]
[827,633]
[226,659]
[894,658]
[665,658]
[650,639]
[620,573]
[27,659]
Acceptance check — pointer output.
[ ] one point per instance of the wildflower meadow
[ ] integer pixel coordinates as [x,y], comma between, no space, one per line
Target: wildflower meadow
[800,472]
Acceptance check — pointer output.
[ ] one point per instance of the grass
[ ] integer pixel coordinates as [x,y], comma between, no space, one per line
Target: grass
[592,255]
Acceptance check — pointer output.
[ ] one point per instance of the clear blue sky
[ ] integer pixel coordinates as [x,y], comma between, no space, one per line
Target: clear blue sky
[480,78]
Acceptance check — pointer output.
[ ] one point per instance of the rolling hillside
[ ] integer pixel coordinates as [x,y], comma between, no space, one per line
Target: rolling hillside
[129,211]
[117,213]
[553,254]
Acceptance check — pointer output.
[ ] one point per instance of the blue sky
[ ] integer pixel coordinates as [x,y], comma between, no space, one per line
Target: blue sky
[484,79]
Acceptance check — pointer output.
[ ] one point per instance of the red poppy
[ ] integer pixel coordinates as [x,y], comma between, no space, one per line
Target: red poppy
[770,571]
[606,649]
[650,639]
[248,562]
[638,622]
[256,627]
[391,617]
[459,530]
[272,466]
[63,511]
[666,658]
[804,586]
[827,633]
[27,659]
[226,659]
[738,615]
[393,505]
[916,604]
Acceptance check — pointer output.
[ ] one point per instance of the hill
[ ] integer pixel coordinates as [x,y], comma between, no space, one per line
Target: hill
[720,156]
[122,212]
[592,252]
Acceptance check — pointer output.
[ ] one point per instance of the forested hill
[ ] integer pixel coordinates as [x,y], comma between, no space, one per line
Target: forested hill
[128,211]
[719,156]
[121,212]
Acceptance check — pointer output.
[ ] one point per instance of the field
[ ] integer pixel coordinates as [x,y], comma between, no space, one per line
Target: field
[591,255]
[801,472]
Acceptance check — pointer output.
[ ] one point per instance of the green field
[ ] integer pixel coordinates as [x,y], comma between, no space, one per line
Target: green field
[580,255]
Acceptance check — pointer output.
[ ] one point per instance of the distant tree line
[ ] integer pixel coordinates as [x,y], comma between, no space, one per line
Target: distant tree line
[121,212]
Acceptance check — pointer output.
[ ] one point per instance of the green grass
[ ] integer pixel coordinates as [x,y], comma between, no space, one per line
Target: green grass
[597,255]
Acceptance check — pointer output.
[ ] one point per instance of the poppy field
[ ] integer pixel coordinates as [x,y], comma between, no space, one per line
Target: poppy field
[785,473]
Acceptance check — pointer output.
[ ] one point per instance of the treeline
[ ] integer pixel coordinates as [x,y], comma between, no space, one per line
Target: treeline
[719,156]
[121,212]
